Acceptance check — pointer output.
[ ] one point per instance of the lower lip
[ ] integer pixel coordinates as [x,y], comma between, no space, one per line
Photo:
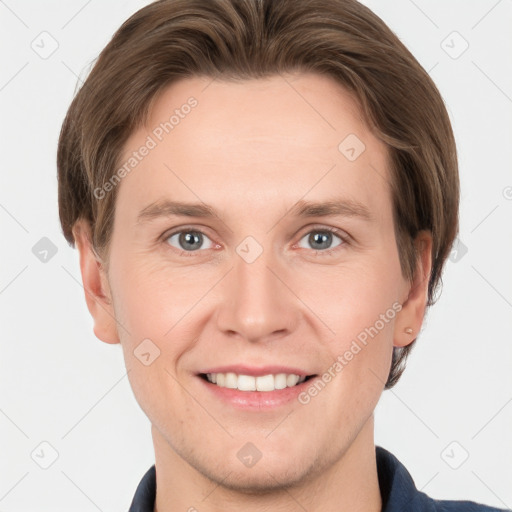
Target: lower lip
[256,400]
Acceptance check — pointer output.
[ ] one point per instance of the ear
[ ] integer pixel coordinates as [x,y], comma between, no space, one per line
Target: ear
[416,294]
[97,290]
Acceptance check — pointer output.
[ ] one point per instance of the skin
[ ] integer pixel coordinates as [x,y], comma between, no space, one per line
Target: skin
[251,150]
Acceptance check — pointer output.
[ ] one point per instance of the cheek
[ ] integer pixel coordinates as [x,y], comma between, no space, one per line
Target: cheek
[350,298]
[359,306]
[154,308]
[152,298]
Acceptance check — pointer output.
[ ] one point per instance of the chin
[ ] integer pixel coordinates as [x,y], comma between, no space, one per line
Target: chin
[260,479]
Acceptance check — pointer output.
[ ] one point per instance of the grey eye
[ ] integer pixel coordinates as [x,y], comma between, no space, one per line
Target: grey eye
[320,239]
[189,240]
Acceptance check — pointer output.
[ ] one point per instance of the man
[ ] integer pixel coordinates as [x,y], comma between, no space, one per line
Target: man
[263,194]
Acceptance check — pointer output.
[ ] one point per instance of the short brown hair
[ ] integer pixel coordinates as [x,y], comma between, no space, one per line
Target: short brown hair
[246,39]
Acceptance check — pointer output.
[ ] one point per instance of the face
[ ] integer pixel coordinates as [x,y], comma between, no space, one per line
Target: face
[253,238]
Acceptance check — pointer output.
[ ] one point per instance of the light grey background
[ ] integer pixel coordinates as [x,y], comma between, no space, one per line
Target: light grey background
[62,386]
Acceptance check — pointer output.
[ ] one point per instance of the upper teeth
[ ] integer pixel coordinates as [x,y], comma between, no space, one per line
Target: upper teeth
[251,383]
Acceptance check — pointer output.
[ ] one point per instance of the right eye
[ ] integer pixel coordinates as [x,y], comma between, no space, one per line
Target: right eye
[190,240]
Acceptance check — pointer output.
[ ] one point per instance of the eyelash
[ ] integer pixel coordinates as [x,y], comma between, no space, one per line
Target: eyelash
[319,229]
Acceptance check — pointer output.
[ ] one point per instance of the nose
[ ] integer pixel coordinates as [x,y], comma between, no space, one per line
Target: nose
[257,304]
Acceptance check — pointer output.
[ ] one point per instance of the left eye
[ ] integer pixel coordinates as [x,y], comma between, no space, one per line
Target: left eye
[321,239]
[189,240]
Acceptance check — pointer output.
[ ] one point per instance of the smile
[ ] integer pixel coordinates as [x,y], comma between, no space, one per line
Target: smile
[252,383]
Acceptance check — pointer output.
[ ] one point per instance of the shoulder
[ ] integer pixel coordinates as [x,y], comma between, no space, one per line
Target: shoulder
[144,498]
[399,493]
[466,506]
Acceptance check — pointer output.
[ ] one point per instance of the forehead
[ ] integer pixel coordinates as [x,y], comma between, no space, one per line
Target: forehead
[298,109]
[276,140]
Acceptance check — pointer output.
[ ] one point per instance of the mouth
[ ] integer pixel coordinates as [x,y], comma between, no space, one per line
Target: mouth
[248,383]
[256,388]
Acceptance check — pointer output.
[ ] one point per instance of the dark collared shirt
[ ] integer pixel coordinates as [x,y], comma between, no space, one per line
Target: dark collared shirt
[399,494]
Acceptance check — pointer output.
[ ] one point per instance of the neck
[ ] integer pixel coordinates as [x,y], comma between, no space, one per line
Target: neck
[349,484]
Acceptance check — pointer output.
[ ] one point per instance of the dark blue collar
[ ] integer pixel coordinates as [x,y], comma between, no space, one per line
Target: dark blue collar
[397,489]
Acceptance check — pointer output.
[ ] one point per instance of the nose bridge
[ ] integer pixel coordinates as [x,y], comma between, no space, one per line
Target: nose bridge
[256,304]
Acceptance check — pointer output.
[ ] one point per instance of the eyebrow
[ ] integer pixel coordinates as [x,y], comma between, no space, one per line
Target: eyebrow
[302,209]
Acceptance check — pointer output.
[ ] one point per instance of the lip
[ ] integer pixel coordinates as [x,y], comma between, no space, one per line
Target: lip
[255,400]
[256,371]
